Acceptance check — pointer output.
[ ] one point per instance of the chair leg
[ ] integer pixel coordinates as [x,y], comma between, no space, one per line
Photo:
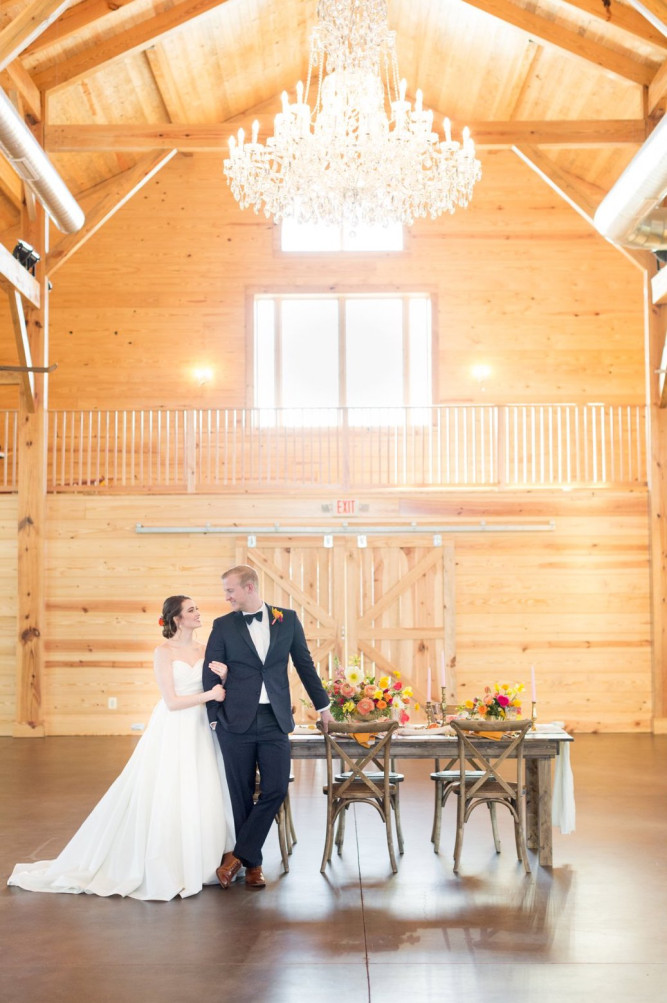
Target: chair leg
[328,841]
[281,822]
[494,825]
[460,822]
[521,848]
[437,817]
[340,829]
[396,805]
[390,839]
[291,831]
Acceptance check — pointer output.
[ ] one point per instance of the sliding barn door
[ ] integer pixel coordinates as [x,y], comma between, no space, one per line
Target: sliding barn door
[390,602]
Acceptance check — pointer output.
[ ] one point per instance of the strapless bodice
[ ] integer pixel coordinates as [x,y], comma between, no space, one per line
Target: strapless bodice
[187,678]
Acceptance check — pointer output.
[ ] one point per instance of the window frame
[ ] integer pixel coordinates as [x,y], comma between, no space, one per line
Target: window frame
[341,293]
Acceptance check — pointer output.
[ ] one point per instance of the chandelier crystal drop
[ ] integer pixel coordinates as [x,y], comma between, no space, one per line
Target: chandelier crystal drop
[363,154]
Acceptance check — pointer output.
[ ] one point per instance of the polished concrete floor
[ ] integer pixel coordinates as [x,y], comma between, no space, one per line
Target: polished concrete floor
[592,928]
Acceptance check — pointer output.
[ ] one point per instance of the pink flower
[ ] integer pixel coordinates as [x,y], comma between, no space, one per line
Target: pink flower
[403,717]
[503,700]
[397,686]
[369,691]
[347,689]
[365,706]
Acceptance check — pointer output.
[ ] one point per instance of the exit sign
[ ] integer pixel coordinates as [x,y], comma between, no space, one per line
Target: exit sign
[345,506]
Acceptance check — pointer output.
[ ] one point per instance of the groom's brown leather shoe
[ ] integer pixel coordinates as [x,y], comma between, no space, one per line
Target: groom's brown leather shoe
[228,869]
[254,877]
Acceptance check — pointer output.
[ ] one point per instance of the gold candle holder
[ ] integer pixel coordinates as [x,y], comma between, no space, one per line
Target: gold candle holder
[443,703]
[431,717]
[533,714]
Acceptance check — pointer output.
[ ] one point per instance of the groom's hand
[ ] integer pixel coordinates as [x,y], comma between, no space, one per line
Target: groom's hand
[327,718]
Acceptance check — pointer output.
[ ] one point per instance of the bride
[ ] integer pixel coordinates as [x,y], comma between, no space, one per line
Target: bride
[164,824]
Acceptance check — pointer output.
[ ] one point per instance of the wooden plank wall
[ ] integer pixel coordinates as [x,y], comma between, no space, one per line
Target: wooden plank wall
[573,602]
[521,283]
[8,611]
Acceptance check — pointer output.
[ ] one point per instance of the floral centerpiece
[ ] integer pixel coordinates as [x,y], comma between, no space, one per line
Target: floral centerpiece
[499,701]
[355,696]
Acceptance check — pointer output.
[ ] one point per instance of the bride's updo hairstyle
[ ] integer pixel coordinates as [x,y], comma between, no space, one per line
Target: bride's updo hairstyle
[171,608]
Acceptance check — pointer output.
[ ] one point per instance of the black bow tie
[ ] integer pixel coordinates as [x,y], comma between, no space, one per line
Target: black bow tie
[249,617]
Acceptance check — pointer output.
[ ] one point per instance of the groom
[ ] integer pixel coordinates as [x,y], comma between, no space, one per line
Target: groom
[256,641]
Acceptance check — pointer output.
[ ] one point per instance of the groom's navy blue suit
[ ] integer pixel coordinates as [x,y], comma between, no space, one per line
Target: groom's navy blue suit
[253,734]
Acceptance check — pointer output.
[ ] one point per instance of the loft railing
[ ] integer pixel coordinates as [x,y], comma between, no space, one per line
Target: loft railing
[449,446]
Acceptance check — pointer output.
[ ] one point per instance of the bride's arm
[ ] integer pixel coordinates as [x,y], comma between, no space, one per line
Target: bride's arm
[164,674]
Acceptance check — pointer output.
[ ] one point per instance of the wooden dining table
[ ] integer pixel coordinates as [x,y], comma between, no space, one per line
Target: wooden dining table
[541,748]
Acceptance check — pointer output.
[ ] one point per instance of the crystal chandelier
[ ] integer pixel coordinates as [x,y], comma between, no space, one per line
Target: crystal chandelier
[363,154]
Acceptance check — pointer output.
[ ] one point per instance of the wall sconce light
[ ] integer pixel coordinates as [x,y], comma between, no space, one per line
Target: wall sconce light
[480,372]
[361,541]
[328,540]
[252,542]
[203,375]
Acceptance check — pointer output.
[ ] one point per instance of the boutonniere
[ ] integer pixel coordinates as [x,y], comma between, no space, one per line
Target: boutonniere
[277,615]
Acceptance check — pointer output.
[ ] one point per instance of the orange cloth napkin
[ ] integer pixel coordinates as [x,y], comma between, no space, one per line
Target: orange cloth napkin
[364,739]
[495,735]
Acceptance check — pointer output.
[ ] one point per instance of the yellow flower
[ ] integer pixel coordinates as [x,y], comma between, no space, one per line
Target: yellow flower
[378,695]
[417,707]
[397,675]
[349,706]
[384,683]
[407,692]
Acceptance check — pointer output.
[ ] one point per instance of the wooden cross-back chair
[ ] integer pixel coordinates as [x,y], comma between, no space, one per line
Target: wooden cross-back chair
[356,785]
[445,778]
[491,787]
[284,822]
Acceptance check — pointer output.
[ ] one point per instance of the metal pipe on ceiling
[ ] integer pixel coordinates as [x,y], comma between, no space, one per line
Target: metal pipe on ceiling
[630,213]
[31,163]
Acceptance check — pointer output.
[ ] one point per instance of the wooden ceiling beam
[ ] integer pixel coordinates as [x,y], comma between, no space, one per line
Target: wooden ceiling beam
[16,77]
[10,184]
[27,379]
[657,93]
[140,36]
[191,137]
[27,25]
[621,16]
[15,276]
[567,39]
[659,287]
[76,18]
[653,10]
[105,201]
[582,196]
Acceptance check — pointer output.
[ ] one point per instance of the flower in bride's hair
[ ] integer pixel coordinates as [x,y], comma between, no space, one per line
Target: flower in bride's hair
[161,621]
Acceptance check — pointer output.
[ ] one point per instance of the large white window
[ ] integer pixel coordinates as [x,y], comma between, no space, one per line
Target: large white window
[322,352]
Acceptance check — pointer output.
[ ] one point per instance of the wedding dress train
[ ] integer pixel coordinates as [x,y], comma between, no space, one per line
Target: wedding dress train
[163,825]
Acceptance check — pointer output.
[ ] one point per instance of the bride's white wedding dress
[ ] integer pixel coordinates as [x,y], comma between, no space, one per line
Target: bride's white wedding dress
[163,825]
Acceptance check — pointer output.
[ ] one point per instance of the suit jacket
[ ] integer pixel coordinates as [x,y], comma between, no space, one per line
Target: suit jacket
[230,642]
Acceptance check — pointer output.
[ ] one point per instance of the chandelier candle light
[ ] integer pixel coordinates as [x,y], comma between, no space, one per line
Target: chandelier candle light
[363,154]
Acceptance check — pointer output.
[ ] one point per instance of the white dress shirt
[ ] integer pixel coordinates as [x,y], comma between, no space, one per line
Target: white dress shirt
[260,635]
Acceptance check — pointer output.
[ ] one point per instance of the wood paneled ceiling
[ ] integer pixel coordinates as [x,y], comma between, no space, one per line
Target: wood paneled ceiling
[111,86]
